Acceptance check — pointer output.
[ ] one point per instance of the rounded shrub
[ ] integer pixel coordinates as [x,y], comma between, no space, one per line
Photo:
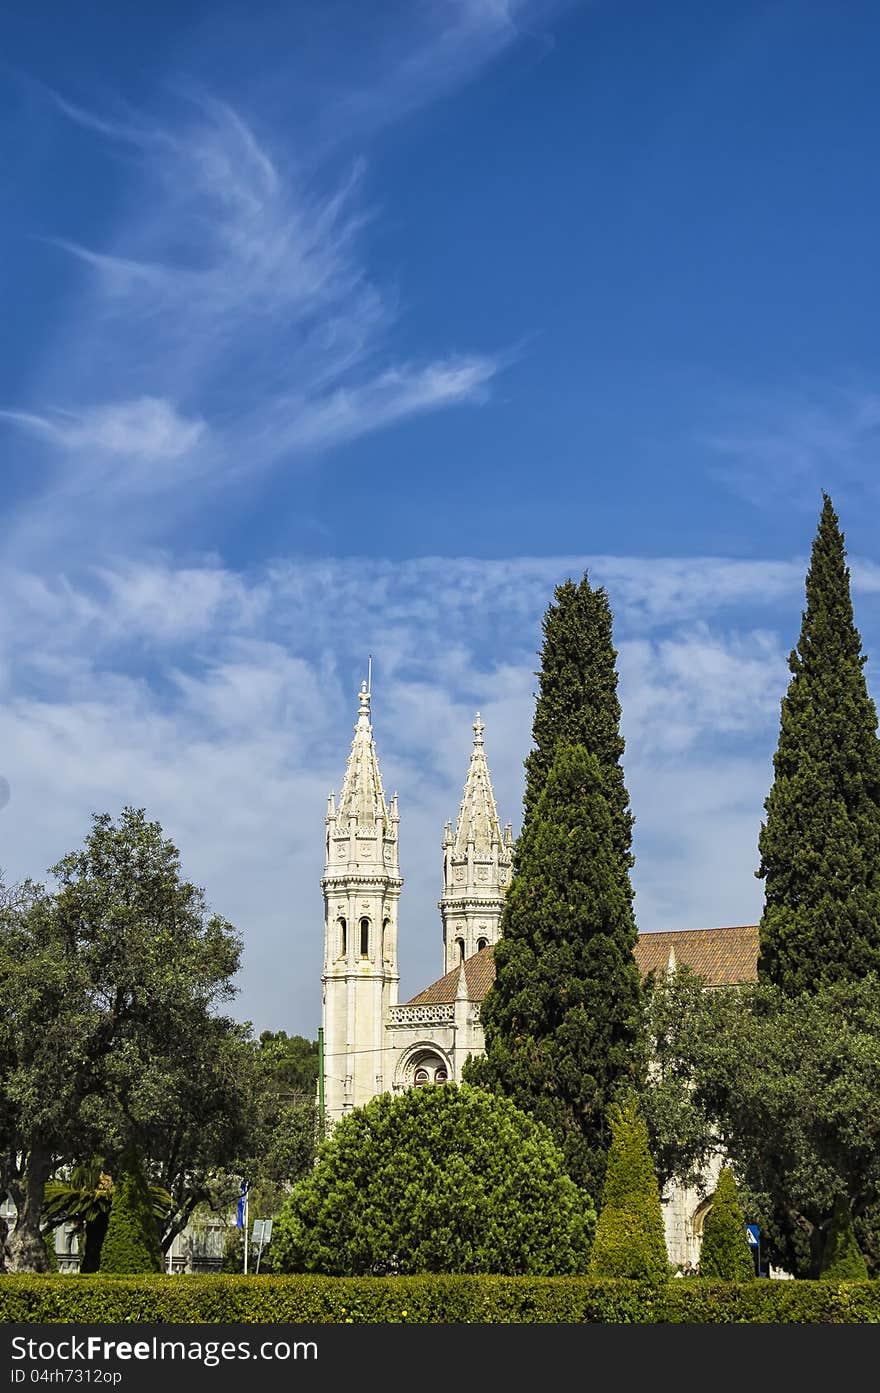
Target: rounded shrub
[445,1179]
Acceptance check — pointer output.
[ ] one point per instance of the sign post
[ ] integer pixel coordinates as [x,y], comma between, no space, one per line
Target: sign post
[753,1234]
[262,1235]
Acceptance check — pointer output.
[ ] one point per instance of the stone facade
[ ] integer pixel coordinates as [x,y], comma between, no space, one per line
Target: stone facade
[373,1044]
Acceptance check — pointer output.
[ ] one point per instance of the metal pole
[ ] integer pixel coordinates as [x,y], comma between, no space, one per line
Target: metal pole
[246,1195]
[320,1083]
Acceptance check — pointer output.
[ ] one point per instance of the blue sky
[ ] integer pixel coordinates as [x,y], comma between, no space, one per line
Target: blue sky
[335,329]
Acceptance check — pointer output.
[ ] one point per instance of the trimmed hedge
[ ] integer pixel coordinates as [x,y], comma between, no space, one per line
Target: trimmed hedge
[311,1300]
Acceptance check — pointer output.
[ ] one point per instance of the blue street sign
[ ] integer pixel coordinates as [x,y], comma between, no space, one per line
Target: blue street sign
[753,1234]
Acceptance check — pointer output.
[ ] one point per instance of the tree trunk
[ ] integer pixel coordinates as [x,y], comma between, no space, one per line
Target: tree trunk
[25,1245]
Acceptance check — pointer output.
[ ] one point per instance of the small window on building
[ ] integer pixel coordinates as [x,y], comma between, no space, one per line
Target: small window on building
[421,1077]
[481,944]
[365,938]
[440,1075]
[460,942]
[343,939]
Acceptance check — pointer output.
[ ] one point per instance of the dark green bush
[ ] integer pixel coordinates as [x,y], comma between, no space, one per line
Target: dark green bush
[131,1243]
[475,1300]
[842,1260]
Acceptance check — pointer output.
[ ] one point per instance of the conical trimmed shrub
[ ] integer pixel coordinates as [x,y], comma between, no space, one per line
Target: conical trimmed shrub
[725,1252]
[842,1260]
[630,1240]
[131,1243]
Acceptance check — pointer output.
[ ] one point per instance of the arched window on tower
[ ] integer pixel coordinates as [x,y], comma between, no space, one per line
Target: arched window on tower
[481,944]
[460,943]
[365,938]
[343,938]
[385,924]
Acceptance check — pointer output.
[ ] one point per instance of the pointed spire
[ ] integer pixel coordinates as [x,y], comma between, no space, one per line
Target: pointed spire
[478,824]
[362,796]
[670,962]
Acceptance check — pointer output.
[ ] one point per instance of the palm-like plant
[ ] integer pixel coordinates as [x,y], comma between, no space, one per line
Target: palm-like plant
[84,1201]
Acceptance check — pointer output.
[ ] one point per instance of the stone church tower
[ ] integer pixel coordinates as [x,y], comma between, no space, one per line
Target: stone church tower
[477,860]
[361,885]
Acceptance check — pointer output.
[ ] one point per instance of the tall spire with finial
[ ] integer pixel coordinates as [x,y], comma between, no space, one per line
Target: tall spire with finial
[361,885]
[362,798]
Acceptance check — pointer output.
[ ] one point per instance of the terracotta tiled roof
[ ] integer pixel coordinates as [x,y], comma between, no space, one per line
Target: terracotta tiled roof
[479,974]
[721,956]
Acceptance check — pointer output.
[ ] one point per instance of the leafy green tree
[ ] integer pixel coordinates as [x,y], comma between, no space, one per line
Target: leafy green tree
[109,990]
[442,1179]
[842,1260]
[283,1135]
[725,1251]
[131,1243]
[791,1083]
[562,1020]
[820,844]
[630,1239]
[678,1017]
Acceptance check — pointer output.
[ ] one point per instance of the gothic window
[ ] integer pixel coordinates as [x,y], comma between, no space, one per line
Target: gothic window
[342,938]
[481,944]
[460,942]
[420,1078]
[385,924]
[440,1075]
[365,938]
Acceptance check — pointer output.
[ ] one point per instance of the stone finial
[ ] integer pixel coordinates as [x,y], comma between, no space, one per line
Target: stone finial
[478,730]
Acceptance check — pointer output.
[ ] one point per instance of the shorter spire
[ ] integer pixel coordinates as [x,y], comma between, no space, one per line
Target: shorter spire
[478,824]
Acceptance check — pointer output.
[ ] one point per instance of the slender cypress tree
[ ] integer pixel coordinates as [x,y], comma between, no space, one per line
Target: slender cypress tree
[577,703]
[820,844]
[131,1243]
[562,1018]
[630,1241]
[842,1260]
[725,1251]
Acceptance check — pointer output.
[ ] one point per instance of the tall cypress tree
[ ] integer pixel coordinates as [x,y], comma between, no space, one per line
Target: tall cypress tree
[820,844]
[562,1019]
[577,703]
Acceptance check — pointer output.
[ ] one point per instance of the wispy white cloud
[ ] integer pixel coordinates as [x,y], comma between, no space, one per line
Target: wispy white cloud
[148,429]
[223,702]
[227,322]
[791,445]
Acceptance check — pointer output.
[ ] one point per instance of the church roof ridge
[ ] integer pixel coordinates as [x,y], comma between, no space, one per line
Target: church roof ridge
[722,956]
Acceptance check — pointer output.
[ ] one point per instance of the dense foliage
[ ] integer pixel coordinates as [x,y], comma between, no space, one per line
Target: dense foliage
[304,1300]
[820,844]
[842,1261]
[562,1021]
[109,1036]
[445,1179]
[788,1088]
[630,1238]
